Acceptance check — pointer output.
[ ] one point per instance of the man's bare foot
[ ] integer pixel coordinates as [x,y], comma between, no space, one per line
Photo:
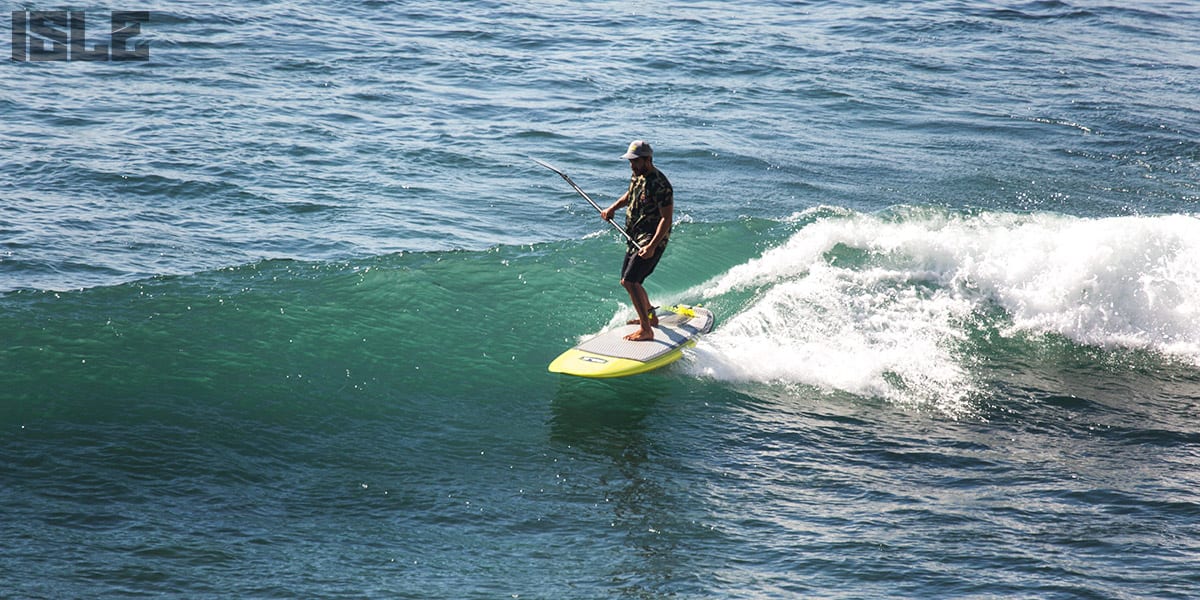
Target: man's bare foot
[641,335]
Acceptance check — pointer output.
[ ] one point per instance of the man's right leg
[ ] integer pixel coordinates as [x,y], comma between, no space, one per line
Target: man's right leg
[641,304]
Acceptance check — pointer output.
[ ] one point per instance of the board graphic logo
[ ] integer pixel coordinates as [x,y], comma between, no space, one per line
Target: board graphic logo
[593,359]
[61,35]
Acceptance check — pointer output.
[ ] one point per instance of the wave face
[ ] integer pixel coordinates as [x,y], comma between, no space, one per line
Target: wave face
[905,306]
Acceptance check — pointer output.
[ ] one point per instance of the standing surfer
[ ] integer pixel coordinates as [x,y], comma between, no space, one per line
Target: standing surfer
[649,203]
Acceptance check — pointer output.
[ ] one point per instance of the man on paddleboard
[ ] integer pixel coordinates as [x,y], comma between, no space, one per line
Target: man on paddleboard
[649,203]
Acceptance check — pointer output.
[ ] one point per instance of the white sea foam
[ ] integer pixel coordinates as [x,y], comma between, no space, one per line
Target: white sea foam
[878,305]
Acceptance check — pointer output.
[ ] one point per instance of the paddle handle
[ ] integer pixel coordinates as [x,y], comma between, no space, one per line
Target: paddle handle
[590,201]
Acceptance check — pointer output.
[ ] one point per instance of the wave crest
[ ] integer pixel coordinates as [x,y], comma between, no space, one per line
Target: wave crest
[883,305]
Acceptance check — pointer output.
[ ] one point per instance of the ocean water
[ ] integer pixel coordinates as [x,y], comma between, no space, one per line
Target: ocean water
[276,305]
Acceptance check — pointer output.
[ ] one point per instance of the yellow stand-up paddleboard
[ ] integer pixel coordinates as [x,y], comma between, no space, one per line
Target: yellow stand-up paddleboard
[611,355]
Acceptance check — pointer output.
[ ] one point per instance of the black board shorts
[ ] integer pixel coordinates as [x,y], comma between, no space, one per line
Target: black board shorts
[636,269]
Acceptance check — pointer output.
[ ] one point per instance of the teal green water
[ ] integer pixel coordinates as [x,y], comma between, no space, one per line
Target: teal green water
[276,305]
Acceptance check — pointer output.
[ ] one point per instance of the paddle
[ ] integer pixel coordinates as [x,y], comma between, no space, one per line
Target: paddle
[590,201]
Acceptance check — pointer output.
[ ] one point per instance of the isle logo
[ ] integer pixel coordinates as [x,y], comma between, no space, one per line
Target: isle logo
[61,35]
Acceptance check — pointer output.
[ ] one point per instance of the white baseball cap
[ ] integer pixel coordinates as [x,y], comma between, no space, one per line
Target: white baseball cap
[638,149]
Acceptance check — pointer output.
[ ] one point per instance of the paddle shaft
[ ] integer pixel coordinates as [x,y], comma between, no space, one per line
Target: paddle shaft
[592,202]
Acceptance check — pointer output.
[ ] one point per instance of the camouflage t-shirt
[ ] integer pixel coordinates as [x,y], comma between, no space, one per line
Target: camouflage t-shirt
[648,195]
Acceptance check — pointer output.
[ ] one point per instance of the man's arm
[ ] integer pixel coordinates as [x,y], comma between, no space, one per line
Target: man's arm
[607,214]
